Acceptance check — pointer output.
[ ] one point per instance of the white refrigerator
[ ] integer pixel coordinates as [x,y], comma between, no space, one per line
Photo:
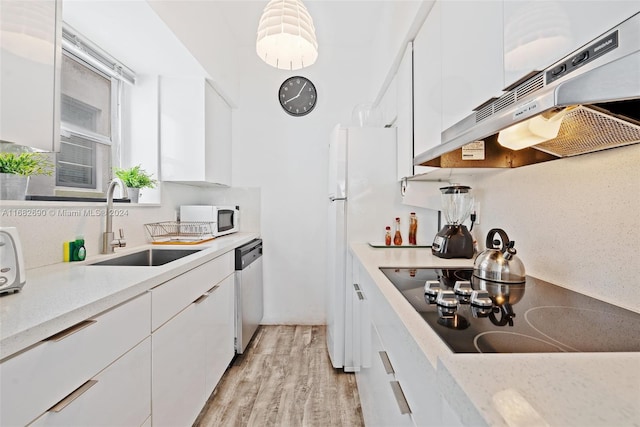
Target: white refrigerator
[364,197]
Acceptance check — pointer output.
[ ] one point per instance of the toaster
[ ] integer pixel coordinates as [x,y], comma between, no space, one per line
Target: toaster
[12,273]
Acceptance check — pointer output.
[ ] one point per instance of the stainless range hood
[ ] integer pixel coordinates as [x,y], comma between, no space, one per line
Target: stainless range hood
[592,96]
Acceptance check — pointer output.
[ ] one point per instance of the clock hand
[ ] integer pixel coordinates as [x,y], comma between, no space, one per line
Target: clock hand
[301,89]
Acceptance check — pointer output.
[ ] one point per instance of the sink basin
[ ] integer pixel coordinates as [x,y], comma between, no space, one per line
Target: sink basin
[148,257]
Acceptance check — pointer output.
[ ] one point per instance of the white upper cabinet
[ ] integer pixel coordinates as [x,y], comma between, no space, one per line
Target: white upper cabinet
[539,33]
[472,70]
[389,103]
[427,90]
[30,73]
[195,125]
[404,121]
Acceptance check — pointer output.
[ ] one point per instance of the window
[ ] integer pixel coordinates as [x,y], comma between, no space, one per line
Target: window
[92,85]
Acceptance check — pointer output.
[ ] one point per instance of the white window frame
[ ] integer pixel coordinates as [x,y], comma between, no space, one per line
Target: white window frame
[80,49]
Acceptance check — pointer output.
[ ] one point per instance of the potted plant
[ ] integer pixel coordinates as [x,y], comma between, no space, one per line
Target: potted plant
[135,178]
[15,170]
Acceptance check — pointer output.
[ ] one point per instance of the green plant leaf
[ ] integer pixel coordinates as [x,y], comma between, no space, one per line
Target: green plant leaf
[27,163]
[136,177]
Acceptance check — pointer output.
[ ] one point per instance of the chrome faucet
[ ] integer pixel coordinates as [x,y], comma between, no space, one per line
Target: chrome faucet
[108,241]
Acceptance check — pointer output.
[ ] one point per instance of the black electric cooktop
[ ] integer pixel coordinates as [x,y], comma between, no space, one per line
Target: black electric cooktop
[544,318]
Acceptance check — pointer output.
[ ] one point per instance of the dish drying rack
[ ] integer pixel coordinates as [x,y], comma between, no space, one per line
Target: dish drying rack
[180,232]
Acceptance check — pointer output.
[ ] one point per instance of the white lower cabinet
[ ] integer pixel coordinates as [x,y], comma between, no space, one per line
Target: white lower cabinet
[379,404]
[116,369]
[39,378]
[410,372]
[217,317]
[191,351]
[177,370]
[117,396]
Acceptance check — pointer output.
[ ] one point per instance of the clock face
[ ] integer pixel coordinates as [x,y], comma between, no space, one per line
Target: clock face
[297,96]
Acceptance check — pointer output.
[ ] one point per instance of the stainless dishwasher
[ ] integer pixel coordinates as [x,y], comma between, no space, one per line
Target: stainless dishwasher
[248,292]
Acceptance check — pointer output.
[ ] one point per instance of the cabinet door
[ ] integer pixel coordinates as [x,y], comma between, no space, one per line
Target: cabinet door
[118,396]
[404,123]
[30,73]
[177,376]
[217,321]
[388,104]
[541,32]
[195,127]
[217,138]
[471,56]
[427,90]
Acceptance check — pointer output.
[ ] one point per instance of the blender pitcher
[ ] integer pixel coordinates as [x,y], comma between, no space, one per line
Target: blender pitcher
[454,239]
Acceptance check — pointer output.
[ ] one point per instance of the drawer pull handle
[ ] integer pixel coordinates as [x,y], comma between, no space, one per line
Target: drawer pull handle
[399,394]
[212,290]
[388,367]
[71,330]
[73,396]
[201,298]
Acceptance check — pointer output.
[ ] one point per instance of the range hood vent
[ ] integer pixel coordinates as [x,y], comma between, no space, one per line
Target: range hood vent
[595,91]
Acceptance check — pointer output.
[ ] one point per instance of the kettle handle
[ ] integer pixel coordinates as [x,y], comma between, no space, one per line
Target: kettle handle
[503,237]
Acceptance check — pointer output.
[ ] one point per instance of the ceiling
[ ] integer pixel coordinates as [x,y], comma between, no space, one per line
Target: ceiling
[344,23]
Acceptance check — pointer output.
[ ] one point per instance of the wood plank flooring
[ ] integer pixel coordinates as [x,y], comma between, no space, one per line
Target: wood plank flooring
[285,378]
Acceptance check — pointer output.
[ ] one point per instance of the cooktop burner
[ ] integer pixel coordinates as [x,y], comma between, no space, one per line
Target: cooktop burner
[536,317]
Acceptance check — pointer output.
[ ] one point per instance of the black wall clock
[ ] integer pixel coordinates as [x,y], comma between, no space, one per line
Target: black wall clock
[297,96]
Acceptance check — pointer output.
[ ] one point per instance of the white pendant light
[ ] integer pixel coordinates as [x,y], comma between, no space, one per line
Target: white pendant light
[286,35]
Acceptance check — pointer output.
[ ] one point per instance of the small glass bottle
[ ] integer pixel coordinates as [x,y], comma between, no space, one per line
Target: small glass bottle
[387,236]
[397,238]
[413,228]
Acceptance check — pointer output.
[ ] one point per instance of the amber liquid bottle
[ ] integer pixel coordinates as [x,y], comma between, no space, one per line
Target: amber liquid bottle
[397,238]
[387,236]
[413,228]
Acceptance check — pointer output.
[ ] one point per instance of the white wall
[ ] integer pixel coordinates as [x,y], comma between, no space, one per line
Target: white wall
[288,158]
[575,221]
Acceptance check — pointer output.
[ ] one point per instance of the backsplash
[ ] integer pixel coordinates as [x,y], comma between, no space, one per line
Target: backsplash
[574,221]
[43,227]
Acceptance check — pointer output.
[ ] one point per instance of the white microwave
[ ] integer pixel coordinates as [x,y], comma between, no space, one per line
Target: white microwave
[223,219]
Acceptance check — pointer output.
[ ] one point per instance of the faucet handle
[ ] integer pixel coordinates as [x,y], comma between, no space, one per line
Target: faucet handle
[121,232]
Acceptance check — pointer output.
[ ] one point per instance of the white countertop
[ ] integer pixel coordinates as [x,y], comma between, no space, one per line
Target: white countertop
[559,389]
[58,296]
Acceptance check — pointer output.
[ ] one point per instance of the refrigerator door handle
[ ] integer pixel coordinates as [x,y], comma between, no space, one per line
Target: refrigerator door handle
[334,199]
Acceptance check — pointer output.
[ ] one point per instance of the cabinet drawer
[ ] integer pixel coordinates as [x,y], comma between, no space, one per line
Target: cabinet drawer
[118,396]
[173,296]
[380,407]
[36,379]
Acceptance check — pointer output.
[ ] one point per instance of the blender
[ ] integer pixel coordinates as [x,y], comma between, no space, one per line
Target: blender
[454,239]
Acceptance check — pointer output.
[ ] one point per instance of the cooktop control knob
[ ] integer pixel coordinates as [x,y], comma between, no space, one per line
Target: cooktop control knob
[481,299]
[431,290]
[463,290]
[447,298]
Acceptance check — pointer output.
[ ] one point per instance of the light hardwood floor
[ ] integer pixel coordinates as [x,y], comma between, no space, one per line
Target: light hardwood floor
[285,378]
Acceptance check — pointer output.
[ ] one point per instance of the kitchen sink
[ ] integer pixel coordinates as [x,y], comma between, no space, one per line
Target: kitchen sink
[148,257]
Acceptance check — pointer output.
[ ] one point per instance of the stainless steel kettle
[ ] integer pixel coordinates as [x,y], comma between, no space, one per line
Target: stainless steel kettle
[500,273]
[499,264]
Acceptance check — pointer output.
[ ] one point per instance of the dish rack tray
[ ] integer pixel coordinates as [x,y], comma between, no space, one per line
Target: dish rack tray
[179,231]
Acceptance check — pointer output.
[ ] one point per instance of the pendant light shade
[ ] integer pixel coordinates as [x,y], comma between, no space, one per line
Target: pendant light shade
[286,36]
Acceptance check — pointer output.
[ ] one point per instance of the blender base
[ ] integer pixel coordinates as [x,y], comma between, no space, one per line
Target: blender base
[453,241]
